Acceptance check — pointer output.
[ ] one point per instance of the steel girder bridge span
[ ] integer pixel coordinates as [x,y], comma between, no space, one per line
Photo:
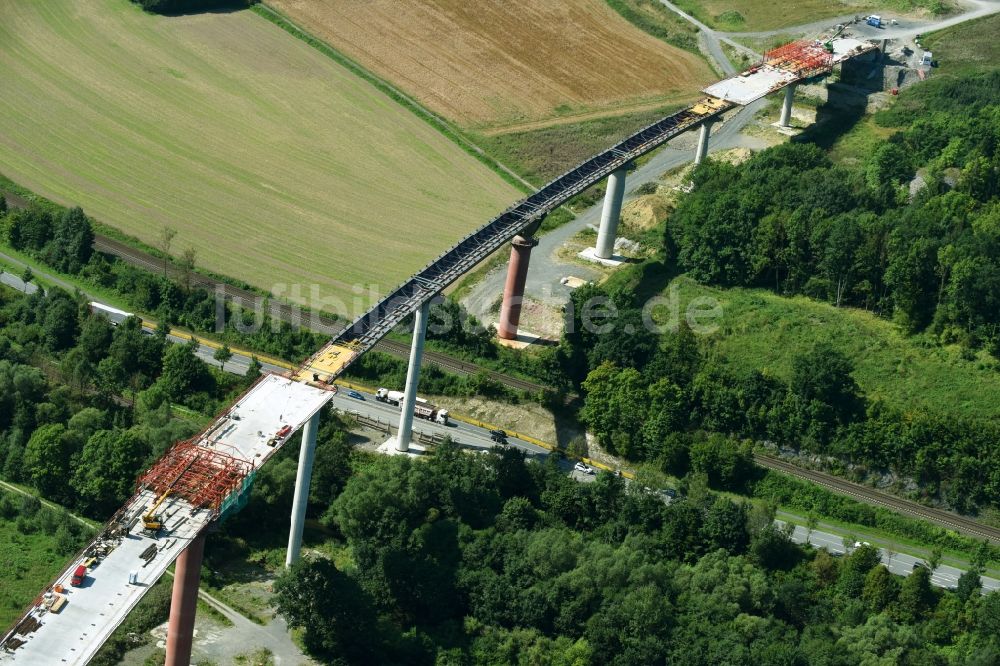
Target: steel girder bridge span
[200,481]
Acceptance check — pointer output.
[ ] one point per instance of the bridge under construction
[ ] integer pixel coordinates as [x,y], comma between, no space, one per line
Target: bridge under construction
[200,481]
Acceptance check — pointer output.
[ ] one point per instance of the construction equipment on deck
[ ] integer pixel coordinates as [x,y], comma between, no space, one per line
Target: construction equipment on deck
[151,520]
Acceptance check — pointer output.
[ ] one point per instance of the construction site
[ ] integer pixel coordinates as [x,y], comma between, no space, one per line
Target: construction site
[200,481]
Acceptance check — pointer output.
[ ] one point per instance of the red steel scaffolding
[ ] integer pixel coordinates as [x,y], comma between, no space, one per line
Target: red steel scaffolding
[803,57]
[202,476]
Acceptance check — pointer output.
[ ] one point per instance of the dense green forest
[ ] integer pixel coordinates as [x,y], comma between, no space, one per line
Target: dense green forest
[913,233]
[927,255]
[85,405]
[493,560]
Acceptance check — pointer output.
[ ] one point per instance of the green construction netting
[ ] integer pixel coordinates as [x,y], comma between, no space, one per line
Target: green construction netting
[237,499]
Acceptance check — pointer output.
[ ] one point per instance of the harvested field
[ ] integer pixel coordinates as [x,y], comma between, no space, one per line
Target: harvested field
[492,63]
[272,160]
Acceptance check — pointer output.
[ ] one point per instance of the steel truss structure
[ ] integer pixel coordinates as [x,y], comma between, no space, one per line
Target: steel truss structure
[202,476]
[453,263]
[803,57]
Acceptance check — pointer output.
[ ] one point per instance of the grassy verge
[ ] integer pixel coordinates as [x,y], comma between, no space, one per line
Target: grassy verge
[897,544]
[654,18]
[967,46]
[802,498]
[542,154]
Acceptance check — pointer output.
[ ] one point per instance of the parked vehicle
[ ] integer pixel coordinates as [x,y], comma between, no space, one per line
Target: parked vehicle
[78,576]
[874,20]
[583,469]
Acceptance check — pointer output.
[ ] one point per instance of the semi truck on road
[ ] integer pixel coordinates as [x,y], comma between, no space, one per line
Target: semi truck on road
[421,409]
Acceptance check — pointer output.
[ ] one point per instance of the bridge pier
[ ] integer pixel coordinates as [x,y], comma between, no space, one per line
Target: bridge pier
[611,213]
[302,481]
[786,108]
[513,290]
[703,134]
[405,433]
[184,603]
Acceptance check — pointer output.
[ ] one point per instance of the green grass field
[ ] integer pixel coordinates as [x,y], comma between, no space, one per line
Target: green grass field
[760,330]
[757,15]
[28,562]
[272,160]
[971,45]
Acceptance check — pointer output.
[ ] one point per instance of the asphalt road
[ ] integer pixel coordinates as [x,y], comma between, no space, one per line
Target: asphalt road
[898,563]
[463,433]
[14,281]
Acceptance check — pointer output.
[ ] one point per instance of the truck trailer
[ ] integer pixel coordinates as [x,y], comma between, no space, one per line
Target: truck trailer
[389,397]
[421,408]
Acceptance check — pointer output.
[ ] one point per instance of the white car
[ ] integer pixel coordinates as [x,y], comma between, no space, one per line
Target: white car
[583,469]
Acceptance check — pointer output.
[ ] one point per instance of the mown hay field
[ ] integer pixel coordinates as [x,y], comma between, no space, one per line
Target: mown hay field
[271,159]
[493,63]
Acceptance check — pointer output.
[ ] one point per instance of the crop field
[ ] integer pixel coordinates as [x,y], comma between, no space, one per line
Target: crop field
[491,64]
[274,162]
[764,331]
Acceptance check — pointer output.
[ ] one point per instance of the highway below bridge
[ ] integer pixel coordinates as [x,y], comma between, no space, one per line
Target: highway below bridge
[199,481]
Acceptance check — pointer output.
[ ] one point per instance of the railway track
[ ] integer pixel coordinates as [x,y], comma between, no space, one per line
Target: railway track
[287,313]
[952,521]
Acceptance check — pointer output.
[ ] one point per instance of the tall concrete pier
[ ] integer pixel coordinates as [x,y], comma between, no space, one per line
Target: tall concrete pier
[703,135]
[184,603]
[303,478]
[412,378]
[786,108]
[513,291]
[611,213]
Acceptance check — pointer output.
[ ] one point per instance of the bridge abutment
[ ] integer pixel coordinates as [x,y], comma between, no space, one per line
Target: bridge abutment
[303,478]
[405,433]
[184,603]
[611,213]
[786,108]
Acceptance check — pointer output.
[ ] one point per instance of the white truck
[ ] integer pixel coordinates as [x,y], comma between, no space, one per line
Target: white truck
[114,315]
[421,408]
[389,397]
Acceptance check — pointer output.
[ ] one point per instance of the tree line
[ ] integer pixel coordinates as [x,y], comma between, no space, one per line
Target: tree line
[911,233]
[491,559]
[84,405]
[63,239]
